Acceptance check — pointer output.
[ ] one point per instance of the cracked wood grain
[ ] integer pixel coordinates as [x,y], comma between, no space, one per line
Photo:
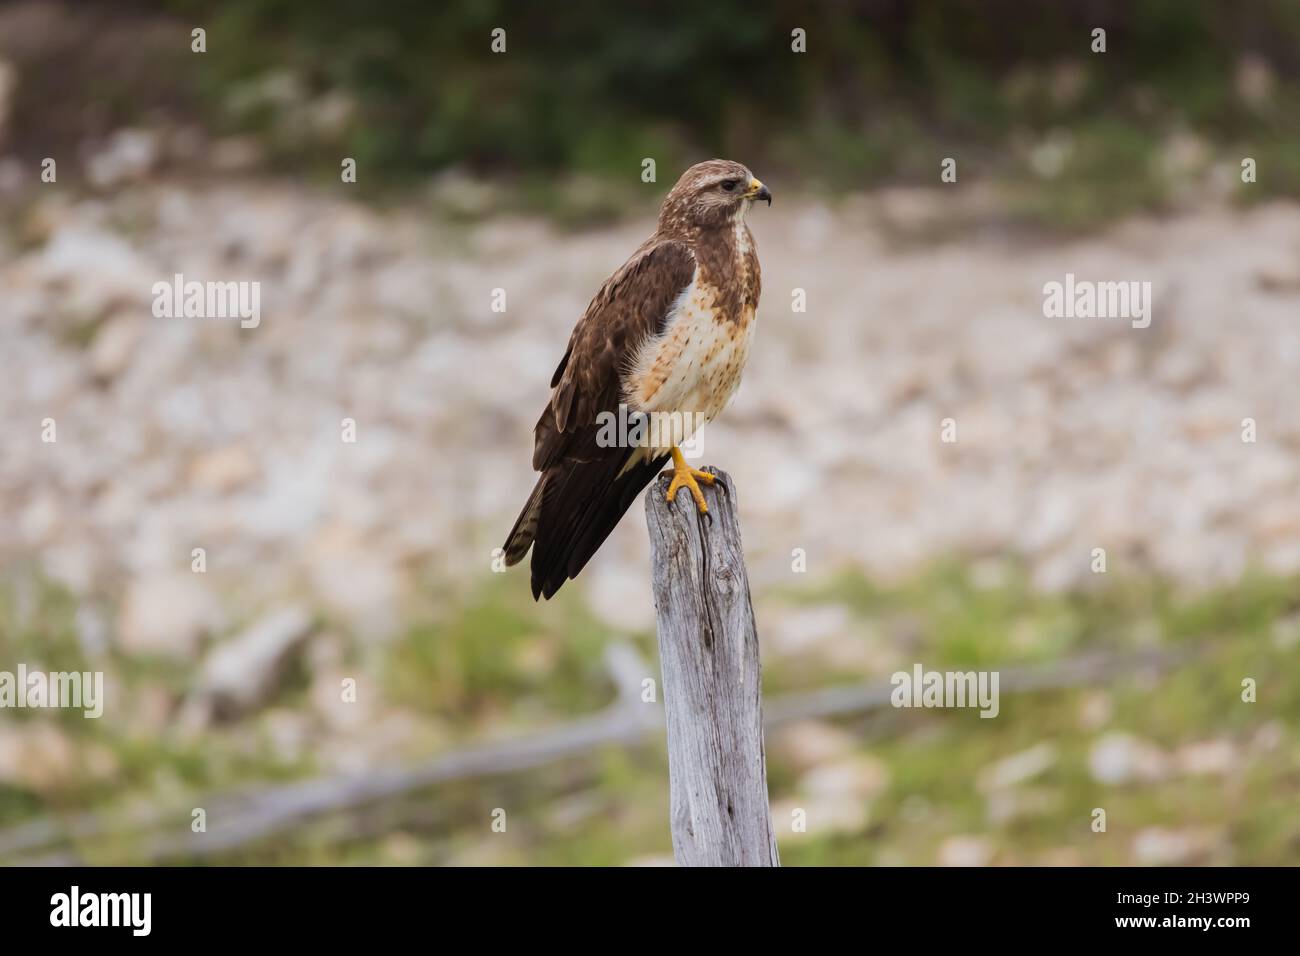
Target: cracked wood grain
[712,687]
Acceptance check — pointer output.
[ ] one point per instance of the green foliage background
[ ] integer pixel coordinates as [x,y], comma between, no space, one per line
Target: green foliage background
[597,86]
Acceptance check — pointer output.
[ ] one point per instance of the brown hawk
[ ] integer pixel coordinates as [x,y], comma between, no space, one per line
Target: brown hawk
[657,354]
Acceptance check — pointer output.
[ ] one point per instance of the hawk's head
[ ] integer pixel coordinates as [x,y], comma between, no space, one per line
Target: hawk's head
[711,195]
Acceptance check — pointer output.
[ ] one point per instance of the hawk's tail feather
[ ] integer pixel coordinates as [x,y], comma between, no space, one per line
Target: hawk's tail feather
[578,508]
[524,532]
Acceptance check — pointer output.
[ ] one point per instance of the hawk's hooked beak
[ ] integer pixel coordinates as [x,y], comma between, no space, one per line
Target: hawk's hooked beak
[757,191]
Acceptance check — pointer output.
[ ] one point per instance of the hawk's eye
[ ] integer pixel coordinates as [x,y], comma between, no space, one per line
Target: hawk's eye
[729,185]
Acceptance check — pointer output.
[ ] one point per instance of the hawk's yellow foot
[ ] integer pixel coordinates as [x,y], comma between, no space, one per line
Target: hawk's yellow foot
[686,476]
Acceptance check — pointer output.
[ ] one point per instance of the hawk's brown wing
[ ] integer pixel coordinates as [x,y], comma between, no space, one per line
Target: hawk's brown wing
[583,491]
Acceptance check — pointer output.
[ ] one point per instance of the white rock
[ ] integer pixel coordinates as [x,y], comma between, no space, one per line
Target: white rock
[1162,846]
[861,777]
[168,613]
[965,850]
[36,755]
[128,155]
[819,816]
[1095,709]
[223,469]
[99,269]
[1019,767]
[1206,758]
[1120,758]
[243,672]
[115,346]
[811,743]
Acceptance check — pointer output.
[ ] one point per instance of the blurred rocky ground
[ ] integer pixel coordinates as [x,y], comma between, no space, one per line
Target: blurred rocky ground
[183,433]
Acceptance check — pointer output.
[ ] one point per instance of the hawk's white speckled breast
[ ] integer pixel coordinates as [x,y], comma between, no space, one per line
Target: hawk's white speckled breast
[694,366]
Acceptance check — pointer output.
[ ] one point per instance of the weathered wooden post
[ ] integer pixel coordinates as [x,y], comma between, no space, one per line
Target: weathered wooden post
[708,647]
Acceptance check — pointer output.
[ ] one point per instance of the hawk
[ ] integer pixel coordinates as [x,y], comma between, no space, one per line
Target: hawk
[658,353]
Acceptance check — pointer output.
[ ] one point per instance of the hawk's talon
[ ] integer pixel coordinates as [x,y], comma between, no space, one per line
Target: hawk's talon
[684,476]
